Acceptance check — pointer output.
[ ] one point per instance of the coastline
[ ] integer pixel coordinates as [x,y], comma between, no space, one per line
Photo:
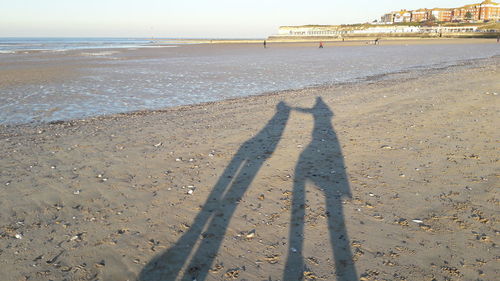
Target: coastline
[348,41]
[104,196]
[93,79]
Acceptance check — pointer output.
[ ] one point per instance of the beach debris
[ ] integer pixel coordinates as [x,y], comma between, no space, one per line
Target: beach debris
[76,192]
[371,194]
[77,237]
[18,236]
[232,273]
[52,260]
[309,275]
[100,264]
[385,146]
[158,144]
[402,222]
[417,221]
[293,250]
[217,268]
[190,192]
[313,260]
[272,259]
[250,234]
[178,159]
[261,197]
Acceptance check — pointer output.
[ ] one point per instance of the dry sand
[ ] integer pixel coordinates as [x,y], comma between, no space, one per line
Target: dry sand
[401,174]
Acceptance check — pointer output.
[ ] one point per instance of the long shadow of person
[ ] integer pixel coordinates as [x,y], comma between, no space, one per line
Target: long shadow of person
[219,207]
[321,163]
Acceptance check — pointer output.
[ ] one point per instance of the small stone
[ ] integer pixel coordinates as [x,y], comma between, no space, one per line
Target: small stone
[158,144]
[76,192]
[417,221]
[250,234]
[18,236]
[190,192]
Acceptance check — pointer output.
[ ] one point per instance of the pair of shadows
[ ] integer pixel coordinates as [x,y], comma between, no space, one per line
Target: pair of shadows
[321,162]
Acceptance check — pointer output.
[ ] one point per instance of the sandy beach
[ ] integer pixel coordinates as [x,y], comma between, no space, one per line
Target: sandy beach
[386,179]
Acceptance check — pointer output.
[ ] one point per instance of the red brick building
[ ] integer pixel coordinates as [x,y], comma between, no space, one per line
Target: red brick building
[484,11]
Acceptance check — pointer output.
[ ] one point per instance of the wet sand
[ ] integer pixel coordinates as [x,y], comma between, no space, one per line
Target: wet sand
[392,179]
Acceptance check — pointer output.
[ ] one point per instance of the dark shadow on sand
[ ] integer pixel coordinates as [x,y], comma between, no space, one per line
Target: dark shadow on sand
[322,164]
[218,209]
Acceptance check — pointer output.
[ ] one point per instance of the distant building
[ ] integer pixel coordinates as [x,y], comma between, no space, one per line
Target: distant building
[419,15]
[439,14]
[310,30]
[484,11]
[346,31]
[402,16]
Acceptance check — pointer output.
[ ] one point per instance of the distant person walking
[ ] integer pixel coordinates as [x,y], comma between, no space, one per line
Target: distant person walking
[265,44]
[377,41]
[321,45]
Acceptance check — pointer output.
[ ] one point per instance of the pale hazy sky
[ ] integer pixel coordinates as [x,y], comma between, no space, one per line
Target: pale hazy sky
[188,18]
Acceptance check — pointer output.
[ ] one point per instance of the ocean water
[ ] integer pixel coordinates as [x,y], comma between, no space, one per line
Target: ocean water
[16,45]
[127,79]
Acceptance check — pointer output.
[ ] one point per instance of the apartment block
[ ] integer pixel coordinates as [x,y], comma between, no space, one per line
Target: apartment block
[484,11]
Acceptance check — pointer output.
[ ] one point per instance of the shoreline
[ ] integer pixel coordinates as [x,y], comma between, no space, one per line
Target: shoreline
[108,197]
[362,80]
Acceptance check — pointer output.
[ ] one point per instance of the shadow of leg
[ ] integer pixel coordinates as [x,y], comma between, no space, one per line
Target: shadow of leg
[294,268]
[219,207]
[214,235]
[167,266]
[342,254]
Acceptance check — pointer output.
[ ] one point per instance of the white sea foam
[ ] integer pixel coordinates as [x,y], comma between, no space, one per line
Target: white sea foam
[98,54]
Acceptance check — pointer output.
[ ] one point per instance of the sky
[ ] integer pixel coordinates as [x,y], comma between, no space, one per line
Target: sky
[189,18]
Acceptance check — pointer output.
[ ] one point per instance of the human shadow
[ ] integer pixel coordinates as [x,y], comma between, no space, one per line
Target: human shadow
[322,164]
[210,224]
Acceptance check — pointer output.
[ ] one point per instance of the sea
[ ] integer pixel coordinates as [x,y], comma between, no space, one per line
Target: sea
[49,79]
[23,45]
